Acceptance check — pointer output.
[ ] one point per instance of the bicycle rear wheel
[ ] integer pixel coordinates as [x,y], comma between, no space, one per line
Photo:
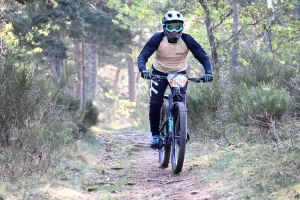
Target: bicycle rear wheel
[164,151]
[179,138]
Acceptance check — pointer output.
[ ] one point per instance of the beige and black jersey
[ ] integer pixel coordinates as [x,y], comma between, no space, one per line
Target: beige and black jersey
[172,57]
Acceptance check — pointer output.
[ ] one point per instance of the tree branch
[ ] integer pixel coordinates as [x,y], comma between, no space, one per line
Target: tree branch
[245,26]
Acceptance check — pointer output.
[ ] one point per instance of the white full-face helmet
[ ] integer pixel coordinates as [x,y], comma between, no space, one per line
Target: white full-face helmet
[173,22]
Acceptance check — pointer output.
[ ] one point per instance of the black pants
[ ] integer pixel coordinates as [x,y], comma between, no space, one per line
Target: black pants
[157,90]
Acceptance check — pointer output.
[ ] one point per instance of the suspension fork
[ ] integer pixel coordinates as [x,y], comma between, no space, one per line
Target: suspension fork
[170,121]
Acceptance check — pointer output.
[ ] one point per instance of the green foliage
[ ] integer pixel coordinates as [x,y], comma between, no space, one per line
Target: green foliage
[262,68]
[92,188]
[121,109]
[262,105]
[258,68]
[68,101]
[90,114]
[33,127]
[203,102]
[22,90]
[101,29]
[260,171]
[84,118]
[36,120]
[46,27]
[295,94]
[135,14]
[285,76]
[125,108]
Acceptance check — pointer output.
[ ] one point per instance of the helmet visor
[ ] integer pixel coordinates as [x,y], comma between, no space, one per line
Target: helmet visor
[174,27]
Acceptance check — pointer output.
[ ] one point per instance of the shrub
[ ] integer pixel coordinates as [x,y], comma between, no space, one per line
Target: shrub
[123,112]
[261,105]
[203,105]
[84,118]
[33,126]
[295,93]
[256,68]
[90,114]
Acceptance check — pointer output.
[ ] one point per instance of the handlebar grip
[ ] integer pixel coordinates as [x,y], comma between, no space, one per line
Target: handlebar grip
[197,80]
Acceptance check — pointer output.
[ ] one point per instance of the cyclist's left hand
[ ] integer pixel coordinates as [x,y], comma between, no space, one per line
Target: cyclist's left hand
[146,74]
[208,78]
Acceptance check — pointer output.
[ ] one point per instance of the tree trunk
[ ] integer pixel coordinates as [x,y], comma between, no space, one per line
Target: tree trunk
[83,92]
[131,75]
[211,37]
[234,52]
[93,70]
[77,59]
[58,65]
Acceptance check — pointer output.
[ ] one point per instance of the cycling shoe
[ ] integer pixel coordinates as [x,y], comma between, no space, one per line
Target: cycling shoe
[155,141]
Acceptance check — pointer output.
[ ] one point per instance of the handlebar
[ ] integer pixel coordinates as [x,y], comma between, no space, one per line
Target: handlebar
[197,80]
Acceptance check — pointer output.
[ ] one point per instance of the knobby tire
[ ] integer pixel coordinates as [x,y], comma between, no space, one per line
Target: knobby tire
[165,150]
[179,143]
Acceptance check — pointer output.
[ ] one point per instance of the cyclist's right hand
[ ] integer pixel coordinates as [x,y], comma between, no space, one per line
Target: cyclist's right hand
[146,74]
[207,78]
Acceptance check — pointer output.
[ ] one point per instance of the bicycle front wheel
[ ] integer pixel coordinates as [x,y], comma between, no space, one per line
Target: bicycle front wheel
[179,138]
[164,151]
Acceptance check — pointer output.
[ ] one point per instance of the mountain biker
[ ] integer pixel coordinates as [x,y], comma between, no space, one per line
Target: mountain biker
[172,47]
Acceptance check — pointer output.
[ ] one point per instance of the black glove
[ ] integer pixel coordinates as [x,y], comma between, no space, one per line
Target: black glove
[207,78]
[146,74]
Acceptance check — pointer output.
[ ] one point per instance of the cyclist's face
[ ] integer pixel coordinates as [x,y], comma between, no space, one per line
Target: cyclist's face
[174,26]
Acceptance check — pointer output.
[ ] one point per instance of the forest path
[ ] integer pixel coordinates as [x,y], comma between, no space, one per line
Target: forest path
[137,167]
[117,165]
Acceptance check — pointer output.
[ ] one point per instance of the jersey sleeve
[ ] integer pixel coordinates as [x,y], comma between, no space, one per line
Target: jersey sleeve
[198,52]
[149,48]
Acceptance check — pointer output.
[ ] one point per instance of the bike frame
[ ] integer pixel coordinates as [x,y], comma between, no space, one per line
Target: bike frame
[173,122]
[175,93]
[172,139]
[172,100]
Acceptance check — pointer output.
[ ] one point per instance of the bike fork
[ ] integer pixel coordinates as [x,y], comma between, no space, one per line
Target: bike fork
[170,127]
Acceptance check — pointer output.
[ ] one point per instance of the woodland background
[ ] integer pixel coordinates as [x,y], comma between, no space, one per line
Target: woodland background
[67,65]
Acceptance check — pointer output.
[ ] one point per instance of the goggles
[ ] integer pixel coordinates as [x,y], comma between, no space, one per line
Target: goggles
[174,27]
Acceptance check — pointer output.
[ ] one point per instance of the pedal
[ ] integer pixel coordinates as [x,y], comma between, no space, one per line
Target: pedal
[187,136]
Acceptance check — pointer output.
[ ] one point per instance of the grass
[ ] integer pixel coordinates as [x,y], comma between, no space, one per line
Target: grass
[97,168]
[248,171]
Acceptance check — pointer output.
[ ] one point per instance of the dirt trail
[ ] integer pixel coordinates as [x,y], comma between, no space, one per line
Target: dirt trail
[147,179]
[116,165]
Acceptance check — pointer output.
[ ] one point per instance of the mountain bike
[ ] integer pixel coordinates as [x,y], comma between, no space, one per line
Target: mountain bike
[173,132]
